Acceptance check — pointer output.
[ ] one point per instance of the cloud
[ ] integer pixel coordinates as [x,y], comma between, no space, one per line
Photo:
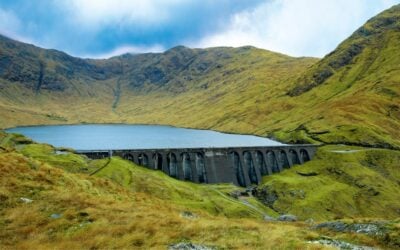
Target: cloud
[128,49]
[102,28]
[102,12]
[295,27]
[9,23]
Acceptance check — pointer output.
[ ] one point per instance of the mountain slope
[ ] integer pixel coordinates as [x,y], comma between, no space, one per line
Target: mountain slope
[354,91]
[350,96]
[141,88]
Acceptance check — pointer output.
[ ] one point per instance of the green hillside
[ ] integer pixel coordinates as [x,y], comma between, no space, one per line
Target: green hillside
[354,91]
[53,200]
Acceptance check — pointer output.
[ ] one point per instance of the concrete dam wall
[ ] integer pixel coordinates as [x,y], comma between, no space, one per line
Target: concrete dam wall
[242,166]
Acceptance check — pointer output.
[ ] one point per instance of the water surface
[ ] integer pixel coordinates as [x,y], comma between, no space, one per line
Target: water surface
[117,136]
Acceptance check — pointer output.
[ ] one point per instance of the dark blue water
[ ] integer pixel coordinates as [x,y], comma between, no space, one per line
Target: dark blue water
[111,136]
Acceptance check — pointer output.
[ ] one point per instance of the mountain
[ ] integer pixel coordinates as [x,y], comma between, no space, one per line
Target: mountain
[355,90]
[46,86]
[348,97]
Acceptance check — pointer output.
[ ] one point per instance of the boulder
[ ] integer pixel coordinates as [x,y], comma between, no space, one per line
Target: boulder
[287,217]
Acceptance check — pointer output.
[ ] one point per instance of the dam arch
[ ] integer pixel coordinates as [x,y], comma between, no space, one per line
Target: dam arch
[238,169]
[172,165]
[294,157]
[158,161]
[143,160]
[305,157]
[283,159]
[128,157]
[260,162]
[200,168]
[249,163]
[187,167]
[272,161]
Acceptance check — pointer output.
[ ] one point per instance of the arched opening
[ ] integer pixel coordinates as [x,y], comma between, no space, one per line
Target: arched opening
[248,161]
[128,157]
[294,157]
[143,160]
[261,163]
[187,167]
[283,159]
[201,168]
[272,162]
[157,159]
[304,155]
[172,165]
[238,169]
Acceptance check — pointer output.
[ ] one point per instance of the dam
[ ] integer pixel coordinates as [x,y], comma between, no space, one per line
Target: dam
[242,166]
[200,156]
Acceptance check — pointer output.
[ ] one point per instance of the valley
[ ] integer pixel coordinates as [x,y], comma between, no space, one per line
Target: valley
[347,103]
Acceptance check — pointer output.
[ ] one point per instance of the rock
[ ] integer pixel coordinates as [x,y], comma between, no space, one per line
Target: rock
[235,194]
[310,221]
[370,229]
[307,174]
[189,246]
[340,244]
[25,200]
[287,217]
[298,194]
[251,190]
[189,215]
[83,214]
[55,216]
[269,218]
[337,226]
[266,196]
[362,228]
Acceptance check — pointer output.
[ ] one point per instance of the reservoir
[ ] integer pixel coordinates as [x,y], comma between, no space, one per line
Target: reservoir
[118,136]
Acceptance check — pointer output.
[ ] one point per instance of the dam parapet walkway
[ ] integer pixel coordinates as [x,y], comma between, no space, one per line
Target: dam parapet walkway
[242,166]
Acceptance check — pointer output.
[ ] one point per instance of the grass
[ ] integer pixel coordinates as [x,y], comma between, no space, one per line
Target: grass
[126,206]
[211,198]
[144,212]
[341,182]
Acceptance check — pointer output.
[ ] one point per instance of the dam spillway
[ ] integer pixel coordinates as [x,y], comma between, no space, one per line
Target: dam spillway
[242,166]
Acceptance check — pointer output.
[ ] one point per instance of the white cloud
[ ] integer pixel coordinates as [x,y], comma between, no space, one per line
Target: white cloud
[296,27]
[100,12]
[128,49]
[9,23]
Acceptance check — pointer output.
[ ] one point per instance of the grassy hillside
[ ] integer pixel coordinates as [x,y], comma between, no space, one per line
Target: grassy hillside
[340,182]
[53,200]
[353,93]
[176,87]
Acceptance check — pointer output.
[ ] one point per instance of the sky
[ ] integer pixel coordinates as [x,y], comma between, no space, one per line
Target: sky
[105,28]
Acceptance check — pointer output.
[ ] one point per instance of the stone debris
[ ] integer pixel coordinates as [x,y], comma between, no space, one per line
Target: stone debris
[310,221]
[269,218]
[340,244]
[189,246]
[189,215]
[25,200]
[55,216]
[287,217]
[362,228]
